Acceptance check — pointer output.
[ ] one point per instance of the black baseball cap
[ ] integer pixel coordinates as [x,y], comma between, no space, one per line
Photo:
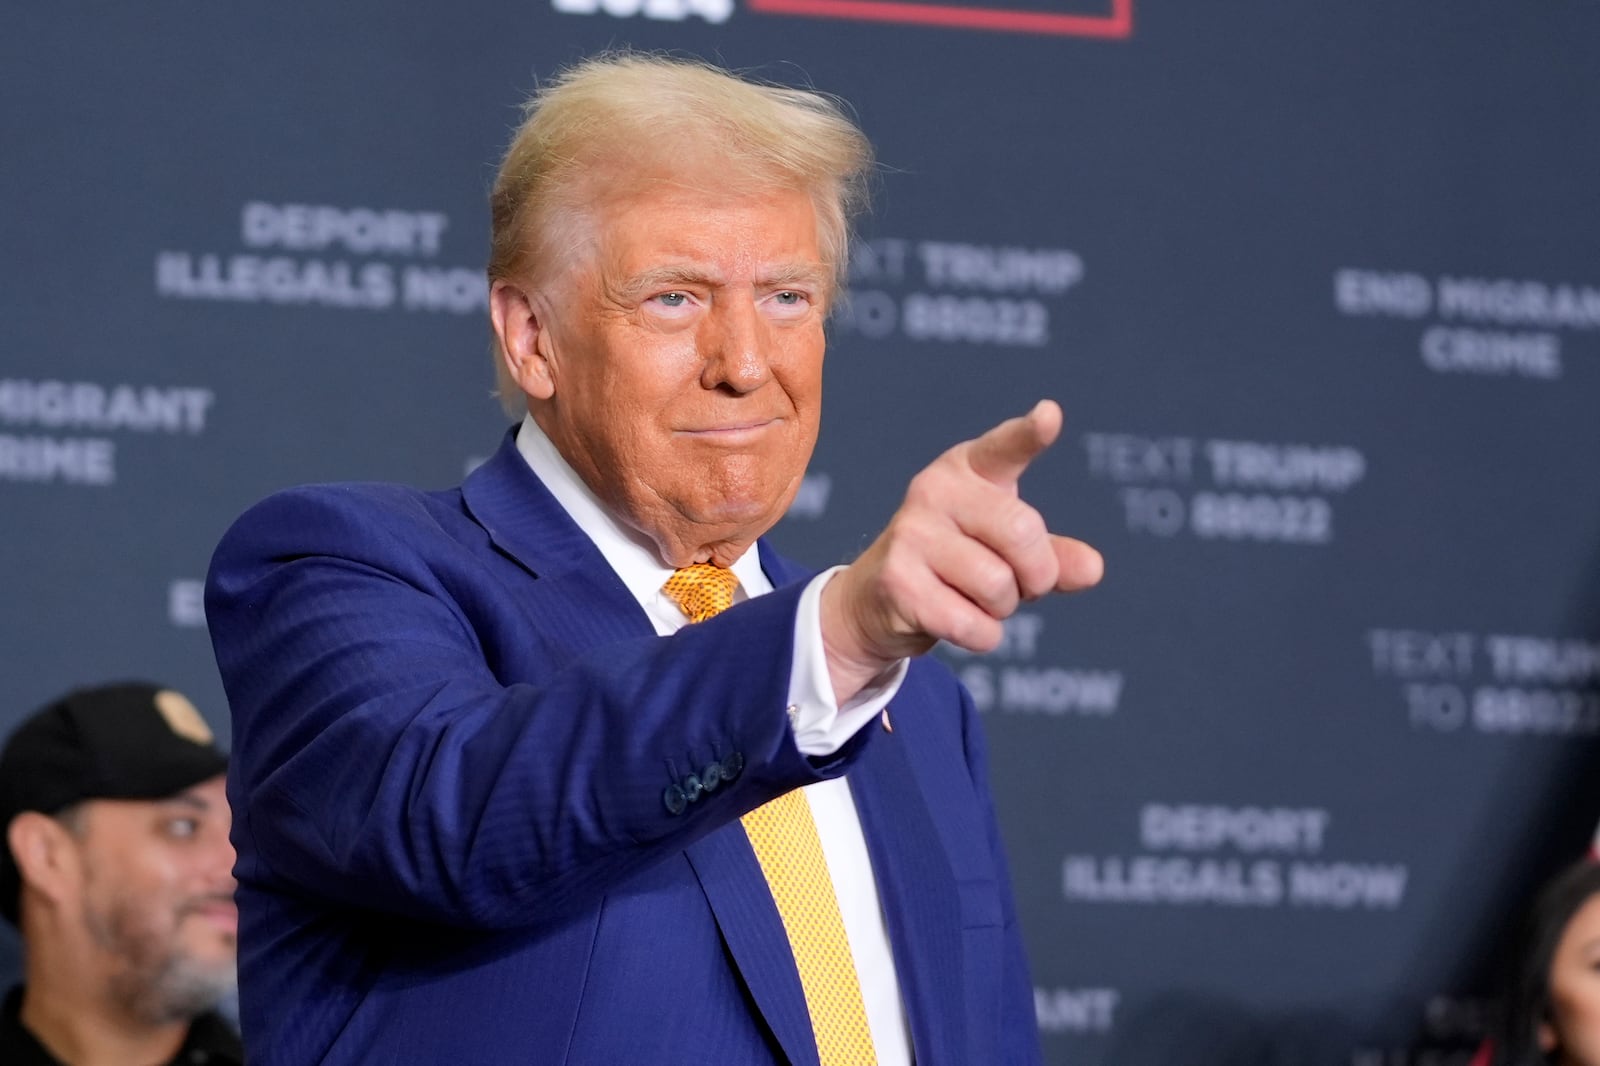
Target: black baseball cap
[131,740]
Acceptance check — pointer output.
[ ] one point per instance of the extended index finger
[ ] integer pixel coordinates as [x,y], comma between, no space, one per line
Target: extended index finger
[1003,453]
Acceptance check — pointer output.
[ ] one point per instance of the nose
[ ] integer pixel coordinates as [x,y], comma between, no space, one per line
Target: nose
[734,346]
[219,858]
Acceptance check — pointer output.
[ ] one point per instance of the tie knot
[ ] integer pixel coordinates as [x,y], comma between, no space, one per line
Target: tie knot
[702,590]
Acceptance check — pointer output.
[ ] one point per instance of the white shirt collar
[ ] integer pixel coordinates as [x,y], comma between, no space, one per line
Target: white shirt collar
[630,553]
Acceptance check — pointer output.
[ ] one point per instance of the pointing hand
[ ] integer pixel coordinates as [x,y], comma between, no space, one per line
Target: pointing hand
[958,557]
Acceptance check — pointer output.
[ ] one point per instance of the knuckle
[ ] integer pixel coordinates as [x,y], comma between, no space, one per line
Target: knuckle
[906,538]
[973,631]
[920,493]
[1023,526]
[995,582]
[1039,578]
[893,581]
[932,476]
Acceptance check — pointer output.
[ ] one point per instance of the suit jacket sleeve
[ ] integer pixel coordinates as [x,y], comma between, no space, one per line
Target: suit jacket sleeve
[384,758]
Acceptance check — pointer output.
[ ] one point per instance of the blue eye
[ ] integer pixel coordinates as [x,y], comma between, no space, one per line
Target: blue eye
[673,299]
[789,296]
[182,827]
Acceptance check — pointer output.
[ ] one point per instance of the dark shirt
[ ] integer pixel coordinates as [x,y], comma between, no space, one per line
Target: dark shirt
[211,1041]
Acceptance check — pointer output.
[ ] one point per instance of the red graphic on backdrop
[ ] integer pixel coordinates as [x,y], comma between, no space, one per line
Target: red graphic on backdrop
[1116,23]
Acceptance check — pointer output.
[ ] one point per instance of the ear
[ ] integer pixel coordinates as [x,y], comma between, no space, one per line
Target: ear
[1547,1037]
[44,852]
[524,334]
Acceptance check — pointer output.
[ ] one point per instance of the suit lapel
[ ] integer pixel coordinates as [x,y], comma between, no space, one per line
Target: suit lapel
[780,571]
[577,600]
[521,516]
[748,919]
[917,890]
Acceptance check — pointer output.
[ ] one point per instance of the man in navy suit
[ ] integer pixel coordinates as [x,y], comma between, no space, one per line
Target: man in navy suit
[496,798]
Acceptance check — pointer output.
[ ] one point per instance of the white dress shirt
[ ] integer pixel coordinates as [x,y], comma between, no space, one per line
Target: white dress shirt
[820,725]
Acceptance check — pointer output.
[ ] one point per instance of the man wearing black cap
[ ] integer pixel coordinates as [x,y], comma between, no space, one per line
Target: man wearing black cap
[118,873]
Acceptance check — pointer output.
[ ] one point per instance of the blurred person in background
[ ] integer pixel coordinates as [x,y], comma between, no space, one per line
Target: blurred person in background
[118,875]
[1551,1014]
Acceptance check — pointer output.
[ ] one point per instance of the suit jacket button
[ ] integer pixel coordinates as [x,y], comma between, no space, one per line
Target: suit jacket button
[711,776]
[675,800]
[732,765]
[692,787]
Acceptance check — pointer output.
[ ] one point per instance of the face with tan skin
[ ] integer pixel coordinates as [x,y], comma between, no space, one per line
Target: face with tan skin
[677,364]
[1573,1031]
[155,891]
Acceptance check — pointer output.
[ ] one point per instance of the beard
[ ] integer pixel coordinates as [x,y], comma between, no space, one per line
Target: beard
[155,980]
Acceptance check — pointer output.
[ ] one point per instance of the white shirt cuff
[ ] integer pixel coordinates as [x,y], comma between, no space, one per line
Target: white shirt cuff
[821,726]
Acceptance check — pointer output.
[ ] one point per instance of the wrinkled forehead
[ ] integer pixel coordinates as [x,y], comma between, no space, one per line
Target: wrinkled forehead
[607,197]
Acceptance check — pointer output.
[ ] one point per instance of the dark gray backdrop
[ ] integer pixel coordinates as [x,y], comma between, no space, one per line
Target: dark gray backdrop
[1316,285]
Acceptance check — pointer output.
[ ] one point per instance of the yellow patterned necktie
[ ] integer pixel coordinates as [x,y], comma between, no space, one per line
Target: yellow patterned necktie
[701,590]
[784,837]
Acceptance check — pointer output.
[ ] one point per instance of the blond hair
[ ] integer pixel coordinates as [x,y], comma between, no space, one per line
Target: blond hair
[629,114]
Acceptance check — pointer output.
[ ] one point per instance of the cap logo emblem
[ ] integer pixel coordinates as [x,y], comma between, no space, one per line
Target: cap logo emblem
[182,717]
